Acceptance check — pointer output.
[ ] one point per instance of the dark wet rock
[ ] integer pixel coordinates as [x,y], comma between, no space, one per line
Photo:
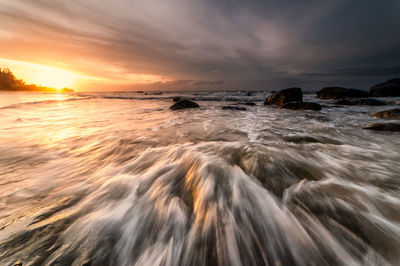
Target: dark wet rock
[321,118]
[344,102]
[340,93]
[372,102]
[139,92]
[249,93]
[247,103]
[234,108]
[302,106]
[394,127]
[176,99]
[390,114]
[285,96]
[183,104]
[301,139]
[390,88]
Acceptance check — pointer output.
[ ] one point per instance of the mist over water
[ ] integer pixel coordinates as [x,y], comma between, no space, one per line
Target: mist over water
[119,179]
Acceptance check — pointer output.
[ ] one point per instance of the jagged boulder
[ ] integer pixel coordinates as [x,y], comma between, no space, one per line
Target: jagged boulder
[390,88]
[183,104]
[285,96]
[302,106]
[340,93]
[389,114]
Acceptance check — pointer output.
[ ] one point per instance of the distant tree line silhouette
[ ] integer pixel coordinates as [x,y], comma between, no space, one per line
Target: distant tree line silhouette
[8,82]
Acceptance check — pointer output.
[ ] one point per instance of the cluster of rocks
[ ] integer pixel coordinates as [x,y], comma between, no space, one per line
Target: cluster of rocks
[292,98]
[346,96]
[182,103]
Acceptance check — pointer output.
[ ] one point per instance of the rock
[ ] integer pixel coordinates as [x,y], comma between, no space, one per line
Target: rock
[302,106]
[321,118]
[235,108]
[183,104]
[249,93]
[340,93]
[139,91]
[390,88]
[344,102]
[372,102]
[247,103]
[176,99]
[301,139]
[285,96]
[394,127]
[389,114]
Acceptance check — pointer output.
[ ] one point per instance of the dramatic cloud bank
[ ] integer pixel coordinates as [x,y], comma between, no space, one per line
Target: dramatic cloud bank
[220,44]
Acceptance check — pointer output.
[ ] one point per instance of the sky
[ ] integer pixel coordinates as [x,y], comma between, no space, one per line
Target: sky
[200,44]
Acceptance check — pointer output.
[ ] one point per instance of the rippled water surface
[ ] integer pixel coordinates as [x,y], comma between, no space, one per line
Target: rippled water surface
[119,179]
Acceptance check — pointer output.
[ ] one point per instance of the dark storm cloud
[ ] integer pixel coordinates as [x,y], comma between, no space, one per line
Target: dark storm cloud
[233,44]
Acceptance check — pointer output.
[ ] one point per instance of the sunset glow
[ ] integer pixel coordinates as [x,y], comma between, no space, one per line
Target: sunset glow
[42,75]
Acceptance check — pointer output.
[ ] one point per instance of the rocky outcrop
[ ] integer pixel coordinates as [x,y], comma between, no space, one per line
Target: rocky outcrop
[340,93]
[393,127]
[390,88]
[302,106]
[371,102]
[183,104]
[389,114]
[234,108]
[285,96]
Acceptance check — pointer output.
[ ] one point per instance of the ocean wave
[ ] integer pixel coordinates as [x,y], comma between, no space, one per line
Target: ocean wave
[224,203]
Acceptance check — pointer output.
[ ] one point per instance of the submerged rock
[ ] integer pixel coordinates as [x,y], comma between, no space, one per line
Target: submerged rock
[340,93]
[285,96]
[302,106]
[247,103]
[321,118]
[390,88]
[394,127]
[344,102]
[390,114]
[372,102]
[301,139]
[235,108]
[183,104]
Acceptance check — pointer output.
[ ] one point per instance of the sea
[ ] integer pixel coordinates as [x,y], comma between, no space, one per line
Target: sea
[117,178]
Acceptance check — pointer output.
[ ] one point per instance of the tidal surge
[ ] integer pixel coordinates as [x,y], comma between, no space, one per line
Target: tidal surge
[84,185]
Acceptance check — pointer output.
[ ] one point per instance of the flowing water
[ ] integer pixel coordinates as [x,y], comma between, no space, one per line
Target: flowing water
[119,179]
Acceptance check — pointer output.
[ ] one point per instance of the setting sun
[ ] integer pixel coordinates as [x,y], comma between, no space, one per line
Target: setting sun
[52,77]
[42,75]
